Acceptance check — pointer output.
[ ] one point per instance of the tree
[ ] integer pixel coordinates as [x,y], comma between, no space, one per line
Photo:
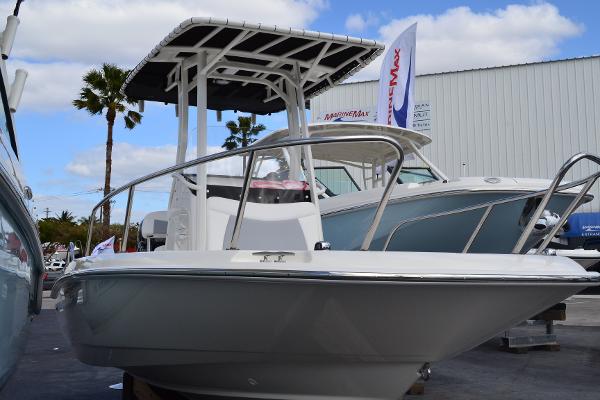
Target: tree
[58,232]
[230,143]
[86,220]
[241,133]
[66,216]
[101,95]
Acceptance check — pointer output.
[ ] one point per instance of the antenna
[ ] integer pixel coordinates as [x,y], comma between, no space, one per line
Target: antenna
[8,36]
[16,90]
[17,6]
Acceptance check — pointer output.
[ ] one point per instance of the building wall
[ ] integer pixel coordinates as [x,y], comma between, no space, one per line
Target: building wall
[517,121]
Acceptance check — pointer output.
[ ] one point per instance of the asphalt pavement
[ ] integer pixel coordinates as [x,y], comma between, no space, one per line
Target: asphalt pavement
[49,370]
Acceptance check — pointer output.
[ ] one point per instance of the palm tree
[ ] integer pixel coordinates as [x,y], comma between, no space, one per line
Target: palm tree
[66,216]
[230,142]
[101,94]
[242,133]
[86,220]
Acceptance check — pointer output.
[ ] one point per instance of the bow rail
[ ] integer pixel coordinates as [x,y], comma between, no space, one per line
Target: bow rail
[251,151]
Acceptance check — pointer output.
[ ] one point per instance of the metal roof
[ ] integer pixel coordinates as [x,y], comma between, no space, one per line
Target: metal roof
[491,67]
[248,63]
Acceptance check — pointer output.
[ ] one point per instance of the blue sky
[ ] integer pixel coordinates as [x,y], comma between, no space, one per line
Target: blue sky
[61,148]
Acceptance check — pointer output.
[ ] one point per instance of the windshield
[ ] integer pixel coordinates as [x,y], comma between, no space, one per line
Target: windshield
[416,175]
[336,180]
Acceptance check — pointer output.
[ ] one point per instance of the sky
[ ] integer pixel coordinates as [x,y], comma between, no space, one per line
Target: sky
[62,149]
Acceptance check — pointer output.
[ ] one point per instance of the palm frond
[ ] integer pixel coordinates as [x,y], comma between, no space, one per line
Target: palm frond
[114,77]
[101,91]
[135,116]
[245,123]
[230,143]
[129,124]
[256,129]
[79,104]
[132,118]
[94,80]
[232,126]
[89,101]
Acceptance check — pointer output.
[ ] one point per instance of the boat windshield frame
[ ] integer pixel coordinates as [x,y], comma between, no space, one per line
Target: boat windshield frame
[9,125]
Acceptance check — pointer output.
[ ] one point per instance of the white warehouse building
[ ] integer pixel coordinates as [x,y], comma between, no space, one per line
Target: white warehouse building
[511,121]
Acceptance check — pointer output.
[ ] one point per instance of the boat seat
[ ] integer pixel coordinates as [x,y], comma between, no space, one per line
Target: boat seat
[284,226]
[154,225]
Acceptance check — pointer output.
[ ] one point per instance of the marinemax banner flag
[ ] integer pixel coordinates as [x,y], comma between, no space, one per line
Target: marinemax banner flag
[108,246]
[395,104]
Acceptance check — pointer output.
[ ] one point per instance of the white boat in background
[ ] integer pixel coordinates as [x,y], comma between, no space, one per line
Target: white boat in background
[588,259]
[428,211]
[244,298]
[21,260]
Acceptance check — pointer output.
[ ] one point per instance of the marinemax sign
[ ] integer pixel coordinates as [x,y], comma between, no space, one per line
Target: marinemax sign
[421,119]
[353,115]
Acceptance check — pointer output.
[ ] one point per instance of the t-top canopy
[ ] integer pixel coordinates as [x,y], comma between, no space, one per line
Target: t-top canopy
[247,64]
[356,152]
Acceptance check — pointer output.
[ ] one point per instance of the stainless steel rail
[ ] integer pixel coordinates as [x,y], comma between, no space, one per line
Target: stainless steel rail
[251,150]
[242,204]
[542,206]
[546,194]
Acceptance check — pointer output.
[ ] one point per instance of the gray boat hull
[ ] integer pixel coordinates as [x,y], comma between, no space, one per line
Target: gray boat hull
[287,338]
[346,229]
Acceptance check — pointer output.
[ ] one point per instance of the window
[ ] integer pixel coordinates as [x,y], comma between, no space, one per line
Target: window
[416,175]
[336,180]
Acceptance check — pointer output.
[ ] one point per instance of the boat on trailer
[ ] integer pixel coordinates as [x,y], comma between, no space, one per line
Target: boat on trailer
[427,210]
[244,298]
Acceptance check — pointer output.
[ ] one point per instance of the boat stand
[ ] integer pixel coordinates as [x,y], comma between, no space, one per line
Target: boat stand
[135,389]
[547,341]
[417,388]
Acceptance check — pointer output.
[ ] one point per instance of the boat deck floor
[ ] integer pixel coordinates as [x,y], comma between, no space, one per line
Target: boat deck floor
[49,370]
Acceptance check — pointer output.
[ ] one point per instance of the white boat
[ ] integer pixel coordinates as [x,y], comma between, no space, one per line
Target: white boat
[588,259]
[244,299]
[21,260]
[428,211]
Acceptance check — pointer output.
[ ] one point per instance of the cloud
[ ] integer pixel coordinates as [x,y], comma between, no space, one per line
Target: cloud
[132,161]
[128,162]
[462,39]
[96,31]
[359,23]
[79,206]
[49,86]
[58,40]
[85,174]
